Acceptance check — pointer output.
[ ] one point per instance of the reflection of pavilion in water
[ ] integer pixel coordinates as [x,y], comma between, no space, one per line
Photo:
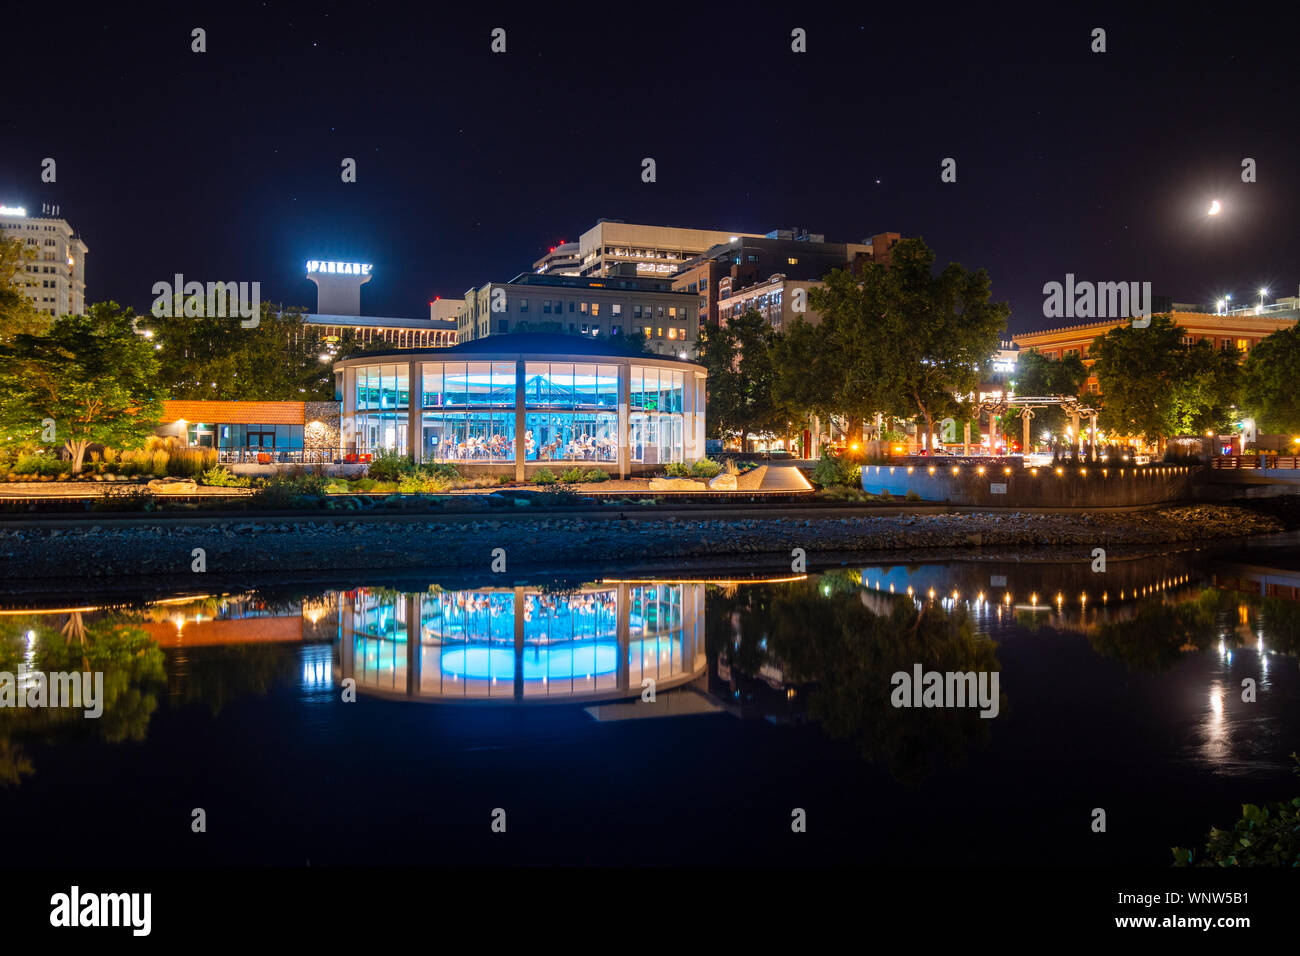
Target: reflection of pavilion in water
[521,644]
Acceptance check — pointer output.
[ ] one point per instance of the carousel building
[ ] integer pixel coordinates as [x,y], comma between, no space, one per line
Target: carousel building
[515,403]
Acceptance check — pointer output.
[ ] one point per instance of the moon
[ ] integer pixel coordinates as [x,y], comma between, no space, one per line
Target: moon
[1215,206]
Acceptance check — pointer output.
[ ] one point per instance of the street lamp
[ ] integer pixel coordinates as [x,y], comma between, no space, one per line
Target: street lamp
[1262,294]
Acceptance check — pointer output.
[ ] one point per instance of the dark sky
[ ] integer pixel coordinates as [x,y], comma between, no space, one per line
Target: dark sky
[225,165]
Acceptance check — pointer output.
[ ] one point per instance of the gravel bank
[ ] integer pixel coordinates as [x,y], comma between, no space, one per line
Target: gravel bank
[247,544]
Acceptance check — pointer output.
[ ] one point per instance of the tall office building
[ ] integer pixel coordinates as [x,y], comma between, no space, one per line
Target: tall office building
[652,251]
[56,278]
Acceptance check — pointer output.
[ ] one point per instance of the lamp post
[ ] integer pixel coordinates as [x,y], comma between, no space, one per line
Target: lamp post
[1262,294]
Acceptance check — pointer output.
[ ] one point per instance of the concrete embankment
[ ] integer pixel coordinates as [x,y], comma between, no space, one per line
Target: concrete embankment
[249,544]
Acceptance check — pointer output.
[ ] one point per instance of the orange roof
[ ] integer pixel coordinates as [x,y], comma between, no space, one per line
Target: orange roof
[235,413]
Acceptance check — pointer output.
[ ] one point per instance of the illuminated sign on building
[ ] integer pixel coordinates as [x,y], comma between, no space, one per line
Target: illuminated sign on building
[12,211]
[654,267]
[339,268]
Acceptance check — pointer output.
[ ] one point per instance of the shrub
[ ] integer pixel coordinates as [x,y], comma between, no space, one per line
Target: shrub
[544,476]
[440,469]
[705,468]
[390,466]
[832,469]
[43,465]
[296,491]
[364,484]
[1264,836]
[219,476]
[597,475]
[913,496]
[124,499]
[677,469]
[423,484]
[572,476]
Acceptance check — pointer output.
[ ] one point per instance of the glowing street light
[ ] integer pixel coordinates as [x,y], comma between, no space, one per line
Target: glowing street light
[1262,294]
[1215,208]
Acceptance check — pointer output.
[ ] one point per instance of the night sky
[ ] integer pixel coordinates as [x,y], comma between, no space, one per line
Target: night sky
[225,165]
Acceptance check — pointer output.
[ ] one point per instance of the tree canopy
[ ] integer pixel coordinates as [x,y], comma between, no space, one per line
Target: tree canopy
[89,379]
[742,365]
[1271,382]
[18,313]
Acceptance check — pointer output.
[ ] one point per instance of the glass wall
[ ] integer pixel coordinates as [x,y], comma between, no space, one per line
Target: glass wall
[467,413]
[655,430]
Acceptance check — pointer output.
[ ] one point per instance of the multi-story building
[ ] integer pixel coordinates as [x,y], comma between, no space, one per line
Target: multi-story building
[592,306]
[775,298]
[1238,331]
[795,255]
[563,259]
[56,279]
[653,251]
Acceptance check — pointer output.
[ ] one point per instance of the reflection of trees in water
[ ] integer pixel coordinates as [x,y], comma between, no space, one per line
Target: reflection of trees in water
[132,665]
[821,632]
[213,677]
[1160,632]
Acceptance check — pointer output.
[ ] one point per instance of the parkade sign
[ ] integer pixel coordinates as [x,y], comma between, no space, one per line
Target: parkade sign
[338,268]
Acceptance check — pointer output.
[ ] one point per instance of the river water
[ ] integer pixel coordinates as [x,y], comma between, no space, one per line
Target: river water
[394,721]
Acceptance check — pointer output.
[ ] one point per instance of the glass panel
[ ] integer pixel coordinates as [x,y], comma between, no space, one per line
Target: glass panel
[503,384]
[584,385]
[479,383]
[651,389]
[607,386]
[636,395]
[403,397]
[677,392]
[456,383]
[562,385]
[433,397]
[537,384]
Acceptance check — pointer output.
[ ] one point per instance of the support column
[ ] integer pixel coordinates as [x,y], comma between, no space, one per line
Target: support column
[414,640]
[519,644]
[621,668]
[1025,417]
[624,403]
[1092,437]
[414,421]
[521,448]
[1078,438]
[965,438]
[993,432]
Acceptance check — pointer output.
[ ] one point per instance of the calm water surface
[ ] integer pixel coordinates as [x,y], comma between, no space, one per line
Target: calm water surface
[1120,690]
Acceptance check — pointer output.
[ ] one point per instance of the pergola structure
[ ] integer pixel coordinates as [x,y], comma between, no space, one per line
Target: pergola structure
[1067,403]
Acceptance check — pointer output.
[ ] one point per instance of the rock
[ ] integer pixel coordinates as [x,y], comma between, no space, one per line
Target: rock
[173,486]
[676,484]
[722,482]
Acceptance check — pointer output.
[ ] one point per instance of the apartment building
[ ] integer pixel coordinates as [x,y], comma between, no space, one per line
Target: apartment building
[598,307]
[56,279]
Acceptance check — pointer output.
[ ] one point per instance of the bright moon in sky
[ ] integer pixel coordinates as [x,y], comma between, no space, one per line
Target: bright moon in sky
[1215,207]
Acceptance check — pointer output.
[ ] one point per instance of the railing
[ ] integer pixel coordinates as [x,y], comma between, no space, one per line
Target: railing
[1247,462]
[277,456]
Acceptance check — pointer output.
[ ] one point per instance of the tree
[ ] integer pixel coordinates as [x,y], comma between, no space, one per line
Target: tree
[1269,382]
[216,357]
[18,313]
[88,379]
[741,362]
[900,340]
[1038,375]
[1154,386]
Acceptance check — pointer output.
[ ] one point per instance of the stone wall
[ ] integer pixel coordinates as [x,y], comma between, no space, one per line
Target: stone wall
[321,431]
[998,484]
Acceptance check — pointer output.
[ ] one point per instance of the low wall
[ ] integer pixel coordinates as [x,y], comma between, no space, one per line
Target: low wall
[1011,486]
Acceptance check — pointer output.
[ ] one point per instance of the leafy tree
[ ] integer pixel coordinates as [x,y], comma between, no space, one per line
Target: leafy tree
[1269,381]
[1039,375]
[1154,386]
[18,313]
[92,376]
[899,340]
[740,358]
[215,357]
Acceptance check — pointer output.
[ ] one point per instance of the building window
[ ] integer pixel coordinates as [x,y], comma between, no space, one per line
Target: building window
[791,261]
[595,308]
[546,306]
[523,305]
[617,309]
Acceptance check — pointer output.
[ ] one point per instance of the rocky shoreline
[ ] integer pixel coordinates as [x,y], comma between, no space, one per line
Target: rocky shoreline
[314,543]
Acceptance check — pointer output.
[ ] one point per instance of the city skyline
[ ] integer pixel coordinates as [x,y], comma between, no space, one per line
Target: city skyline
[1068,165]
